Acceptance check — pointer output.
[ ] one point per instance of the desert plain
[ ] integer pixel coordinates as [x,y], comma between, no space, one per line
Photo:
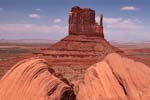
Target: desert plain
[11,53]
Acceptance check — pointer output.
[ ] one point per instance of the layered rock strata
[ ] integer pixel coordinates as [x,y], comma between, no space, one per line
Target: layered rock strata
[77,50]
[85,44]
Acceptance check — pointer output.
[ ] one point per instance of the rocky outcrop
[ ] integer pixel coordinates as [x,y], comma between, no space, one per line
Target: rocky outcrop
[85,44]
[115,78]
[82,22]
[32,79]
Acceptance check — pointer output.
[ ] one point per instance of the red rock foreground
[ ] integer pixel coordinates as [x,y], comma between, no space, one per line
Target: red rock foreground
[32,79]
[114,78]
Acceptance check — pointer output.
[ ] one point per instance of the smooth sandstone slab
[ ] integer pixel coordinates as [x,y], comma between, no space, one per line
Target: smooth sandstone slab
[32,79]
[115,78]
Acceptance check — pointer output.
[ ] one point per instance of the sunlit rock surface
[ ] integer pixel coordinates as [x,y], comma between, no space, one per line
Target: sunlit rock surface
[115,78]
[32,79]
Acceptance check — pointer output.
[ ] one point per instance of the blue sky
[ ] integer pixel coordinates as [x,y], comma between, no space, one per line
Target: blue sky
[124,20]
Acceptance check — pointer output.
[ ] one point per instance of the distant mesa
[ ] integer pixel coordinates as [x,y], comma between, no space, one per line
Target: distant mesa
[85,43]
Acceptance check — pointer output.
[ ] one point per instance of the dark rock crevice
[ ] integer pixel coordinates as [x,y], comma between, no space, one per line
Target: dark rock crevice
[118,78]
[68,95]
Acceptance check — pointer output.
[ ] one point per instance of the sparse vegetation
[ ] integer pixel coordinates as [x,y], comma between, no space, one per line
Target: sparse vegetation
[14,51]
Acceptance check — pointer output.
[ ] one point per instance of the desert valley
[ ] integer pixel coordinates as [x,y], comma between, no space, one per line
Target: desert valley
[11,53]
[81,66]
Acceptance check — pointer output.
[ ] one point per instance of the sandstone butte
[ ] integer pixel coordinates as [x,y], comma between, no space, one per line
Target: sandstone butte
[85,44]
[114,78]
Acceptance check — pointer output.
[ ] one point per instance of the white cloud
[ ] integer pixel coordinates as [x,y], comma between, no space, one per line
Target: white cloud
[129,8]
[120,23]
[57,20]
[35,16]
[121,29]
[31,28]
[110,20]
[11,31]
[1,9]
[38,9]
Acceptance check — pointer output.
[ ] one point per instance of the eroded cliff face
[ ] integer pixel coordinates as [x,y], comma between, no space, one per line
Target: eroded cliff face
[82,22]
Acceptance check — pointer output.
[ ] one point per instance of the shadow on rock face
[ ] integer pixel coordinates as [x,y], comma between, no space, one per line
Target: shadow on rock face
[68,95]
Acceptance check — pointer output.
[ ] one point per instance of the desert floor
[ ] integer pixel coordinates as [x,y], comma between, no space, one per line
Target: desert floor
[10,54]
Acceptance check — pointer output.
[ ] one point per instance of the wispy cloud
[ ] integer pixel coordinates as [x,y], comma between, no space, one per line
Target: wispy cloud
[38,9]
[31,28]
[122,29]
[121,23]
[32,31]
[1,9]
[129,8]
[57,20]
[35,16]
